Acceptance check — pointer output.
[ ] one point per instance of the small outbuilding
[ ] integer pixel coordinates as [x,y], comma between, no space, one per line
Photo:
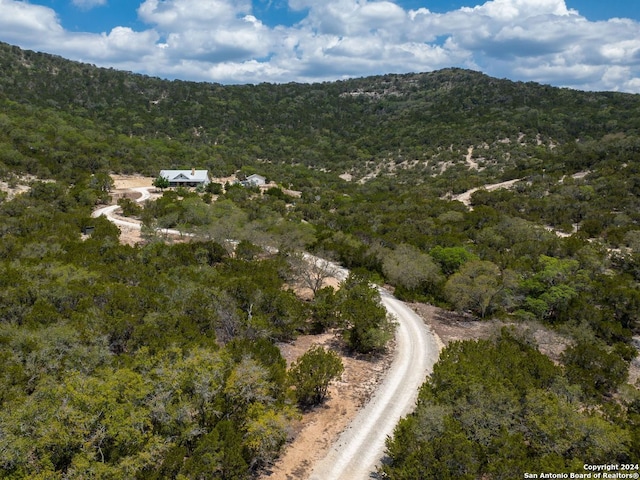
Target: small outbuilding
[186,178]
[254,180]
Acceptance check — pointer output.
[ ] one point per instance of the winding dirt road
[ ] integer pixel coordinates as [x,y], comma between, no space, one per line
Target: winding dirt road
[110,210]
[360,448]
[465,197]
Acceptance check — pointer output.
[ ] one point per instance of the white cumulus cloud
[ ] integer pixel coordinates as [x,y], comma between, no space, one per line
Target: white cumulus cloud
[22,22]
[227,41]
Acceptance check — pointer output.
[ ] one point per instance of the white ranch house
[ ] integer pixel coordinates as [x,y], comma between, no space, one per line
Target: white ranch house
[254,180]
[186,178]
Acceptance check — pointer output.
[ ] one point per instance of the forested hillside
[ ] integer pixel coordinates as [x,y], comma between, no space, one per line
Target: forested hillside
[159,360]
[432,117]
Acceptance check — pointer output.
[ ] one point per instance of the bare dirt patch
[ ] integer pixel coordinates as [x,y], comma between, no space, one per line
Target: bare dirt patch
[12,191]
[122,182]
[123,188]
[315,432]
[18,185]
[452,326]
[129,235]
[465,197]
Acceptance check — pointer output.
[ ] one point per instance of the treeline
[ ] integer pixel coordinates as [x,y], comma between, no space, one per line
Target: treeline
[432,117]
[486,261]
[490,261]
[152,361]
[499,408]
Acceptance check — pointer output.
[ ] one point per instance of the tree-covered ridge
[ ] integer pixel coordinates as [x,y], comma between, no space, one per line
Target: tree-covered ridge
[422,120]
[164,356]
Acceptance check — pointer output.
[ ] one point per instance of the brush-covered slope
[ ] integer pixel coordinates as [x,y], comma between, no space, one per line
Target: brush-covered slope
[421,121]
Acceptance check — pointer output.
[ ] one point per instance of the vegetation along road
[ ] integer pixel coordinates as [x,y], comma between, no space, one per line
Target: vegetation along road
[361,446]
[109,210]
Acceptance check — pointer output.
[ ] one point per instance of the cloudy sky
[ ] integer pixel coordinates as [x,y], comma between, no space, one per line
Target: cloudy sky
[583,44]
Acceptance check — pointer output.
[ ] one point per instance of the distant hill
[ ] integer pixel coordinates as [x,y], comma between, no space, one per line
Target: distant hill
[420,121]
[160,360]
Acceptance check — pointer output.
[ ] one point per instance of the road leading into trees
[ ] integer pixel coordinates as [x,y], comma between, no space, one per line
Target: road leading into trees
[110,211]
[465,197]
[360,448]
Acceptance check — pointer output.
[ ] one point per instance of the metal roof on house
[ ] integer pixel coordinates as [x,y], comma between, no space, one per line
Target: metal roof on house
[198,176]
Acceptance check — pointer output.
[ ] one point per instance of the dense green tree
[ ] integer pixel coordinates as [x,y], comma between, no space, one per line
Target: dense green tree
[83,422]
[161,182]
[312,373]
[598,370]
[102,182]
[129,207]
[497,407]
[411,269]
[476,287]
[325,312]
[366,326]
[218,454]
[451,258]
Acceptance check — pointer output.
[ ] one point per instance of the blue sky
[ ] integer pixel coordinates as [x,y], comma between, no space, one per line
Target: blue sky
[583,44]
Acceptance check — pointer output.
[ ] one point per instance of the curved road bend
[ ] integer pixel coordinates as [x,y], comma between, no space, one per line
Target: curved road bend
[358,451]
[109,212]
[360,448]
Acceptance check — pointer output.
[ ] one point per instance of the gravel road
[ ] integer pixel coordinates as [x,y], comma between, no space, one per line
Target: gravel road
[109,211]
[465,197]
[360,448]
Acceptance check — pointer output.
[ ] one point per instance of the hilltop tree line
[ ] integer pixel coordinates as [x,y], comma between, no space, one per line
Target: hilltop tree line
[159,360]
[133,122]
